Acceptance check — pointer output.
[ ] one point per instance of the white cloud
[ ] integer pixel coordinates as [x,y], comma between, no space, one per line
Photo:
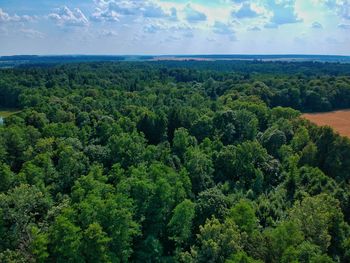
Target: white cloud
[193,15]
[254,28]
[108,33]
[316,25]
[245,11]
[344,26]
[105,15]
[179,28]
[66,17]
[112,10]
[224,29]
[344,9]
[142,24]
[170,39]
[173,14]
[341,7]
[152,10]
[283,12]
[31,33]
[5,17]
[154,28]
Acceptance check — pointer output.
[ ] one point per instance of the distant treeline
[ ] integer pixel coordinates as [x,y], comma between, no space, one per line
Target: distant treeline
[30,60]
[307,68]
[305,86]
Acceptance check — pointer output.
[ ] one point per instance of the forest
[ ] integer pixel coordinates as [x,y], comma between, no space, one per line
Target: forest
[173,161]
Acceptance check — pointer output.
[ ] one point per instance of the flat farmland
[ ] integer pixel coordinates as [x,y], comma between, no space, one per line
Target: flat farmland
[338,120]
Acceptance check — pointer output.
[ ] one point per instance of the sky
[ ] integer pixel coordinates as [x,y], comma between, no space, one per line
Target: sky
[165,27]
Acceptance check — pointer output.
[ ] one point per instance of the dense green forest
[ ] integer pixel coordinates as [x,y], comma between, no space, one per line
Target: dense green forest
[173,162]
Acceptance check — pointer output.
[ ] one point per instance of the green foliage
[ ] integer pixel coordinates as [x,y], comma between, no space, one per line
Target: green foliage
[216,241]
[243,214]
[38,245]
[305,252]
[285,236]
[182,140]
[21,208]
[319,217]
[180,224]
[95,244]
[273,139]
[236,126]
[66,238]
[241,257]
[200,168]
[173,162]
[6,177]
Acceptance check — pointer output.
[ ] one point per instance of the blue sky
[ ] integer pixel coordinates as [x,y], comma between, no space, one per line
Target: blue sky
[174,27]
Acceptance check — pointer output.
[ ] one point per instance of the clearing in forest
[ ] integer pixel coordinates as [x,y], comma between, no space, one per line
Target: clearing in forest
[338,120]
[4,113]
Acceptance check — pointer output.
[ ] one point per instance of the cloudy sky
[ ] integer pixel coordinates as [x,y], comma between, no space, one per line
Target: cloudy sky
[174,27]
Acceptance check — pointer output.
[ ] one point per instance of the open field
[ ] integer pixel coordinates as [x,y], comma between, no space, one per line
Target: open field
[338,120]
[7,112]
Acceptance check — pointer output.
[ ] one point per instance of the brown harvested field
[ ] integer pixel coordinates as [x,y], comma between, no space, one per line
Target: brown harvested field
[338,120]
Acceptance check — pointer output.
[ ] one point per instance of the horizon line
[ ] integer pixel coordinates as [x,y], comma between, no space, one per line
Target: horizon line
[169,55]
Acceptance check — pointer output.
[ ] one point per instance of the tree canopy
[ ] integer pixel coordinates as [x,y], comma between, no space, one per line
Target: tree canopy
[173,162]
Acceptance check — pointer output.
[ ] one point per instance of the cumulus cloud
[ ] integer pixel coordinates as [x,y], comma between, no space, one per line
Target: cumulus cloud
[316,25]
[153,28]
[173,14]
[341,7]
[254,28]
[152,10]
[344,9]
[66,17]
[224,29]
[105,15]
[122,7]
[112,10]
[245,11]
[283,12]
[31,33]
[5,17]
[108,33]
[344,26]
[179,28]
[193,15]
